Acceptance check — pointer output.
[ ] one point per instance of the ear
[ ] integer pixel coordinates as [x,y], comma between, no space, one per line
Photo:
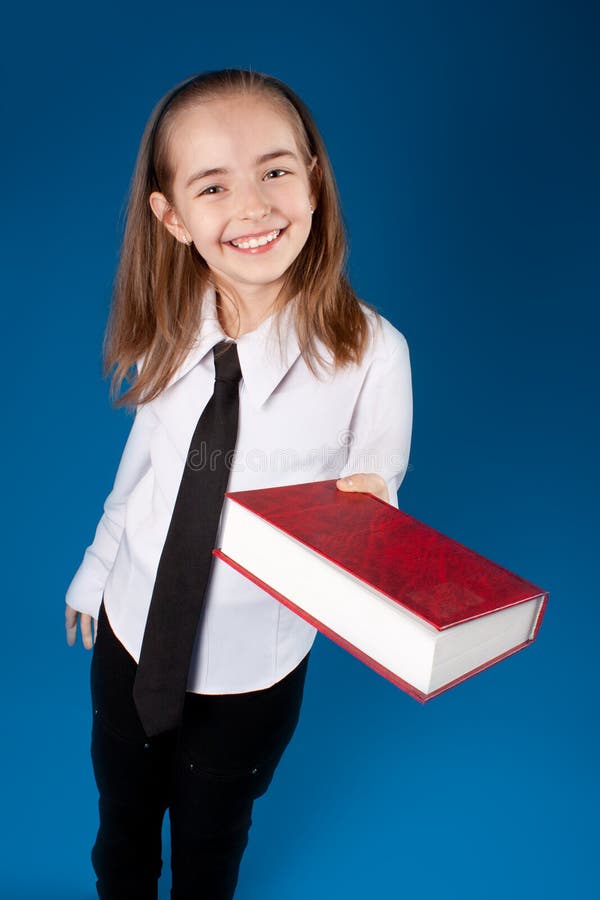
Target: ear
[166,214]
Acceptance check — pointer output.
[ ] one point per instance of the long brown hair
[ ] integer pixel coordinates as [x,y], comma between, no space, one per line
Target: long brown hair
[156,300]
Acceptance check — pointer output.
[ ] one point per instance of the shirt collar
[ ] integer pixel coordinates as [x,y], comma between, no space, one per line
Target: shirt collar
[262,365]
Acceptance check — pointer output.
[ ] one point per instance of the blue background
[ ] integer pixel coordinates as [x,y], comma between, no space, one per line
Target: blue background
[465,141]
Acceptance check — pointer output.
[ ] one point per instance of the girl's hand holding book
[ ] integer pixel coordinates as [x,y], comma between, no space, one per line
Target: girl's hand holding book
[370,483]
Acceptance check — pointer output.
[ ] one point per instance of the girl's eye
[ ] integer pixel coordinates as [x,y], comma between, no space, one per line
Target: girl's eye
[209,188]
[213,187]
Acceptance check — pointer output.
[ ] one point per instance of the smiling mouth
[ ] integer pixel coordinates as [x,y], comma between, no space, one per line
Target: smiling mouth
[258,243]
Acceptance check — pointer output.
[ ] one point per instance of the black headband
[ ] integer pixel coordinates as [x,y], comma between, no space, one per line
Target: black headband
[199,78]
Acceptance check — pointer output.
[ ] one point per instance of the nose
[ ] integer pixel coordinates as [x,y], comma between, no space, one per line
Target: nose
[252,202]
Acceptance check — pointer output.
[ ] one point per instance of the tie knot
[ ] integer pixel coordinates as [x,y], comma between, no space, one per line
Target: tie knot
[227,364]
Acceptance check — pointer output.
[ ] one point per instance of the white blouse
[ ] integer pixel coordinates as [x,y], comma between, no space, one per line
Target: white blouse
[293,428]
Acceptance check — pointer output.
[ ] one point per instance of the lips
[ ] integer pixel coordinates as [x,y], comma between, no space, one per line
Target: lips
[261,249]
[250,237]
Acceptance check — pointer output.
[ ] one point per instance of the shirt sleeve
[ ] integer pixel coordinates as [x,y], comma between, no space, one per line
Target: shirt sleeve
[381,426]
[87,587]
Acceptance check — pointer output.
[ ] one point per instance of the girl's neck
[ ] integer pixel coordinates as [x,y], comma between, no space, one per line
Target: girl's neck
[236,322]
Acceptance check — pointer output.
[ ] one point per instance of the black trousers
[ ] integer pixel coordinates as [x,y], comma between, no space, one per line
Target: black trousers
[207,773]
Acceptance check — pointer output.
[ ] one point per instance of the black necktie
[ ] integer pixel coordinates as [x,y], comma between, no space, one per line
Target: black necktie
[184,567]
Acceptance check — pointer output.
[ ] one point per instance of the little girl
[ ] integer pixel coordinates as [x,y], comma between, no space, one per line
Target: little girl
[234,237]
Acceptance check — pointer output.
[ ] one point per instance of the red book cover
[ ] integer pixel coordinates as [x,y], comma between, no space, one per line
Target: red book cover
[433,576]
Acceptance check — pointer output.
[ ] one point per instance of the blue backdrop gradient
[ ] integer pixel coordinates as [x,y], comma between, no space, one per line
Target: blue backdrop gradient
[465,140]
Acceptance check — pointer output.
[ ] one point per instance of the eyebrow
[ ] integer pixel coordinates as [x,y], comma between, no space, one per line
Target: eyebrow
[274,154]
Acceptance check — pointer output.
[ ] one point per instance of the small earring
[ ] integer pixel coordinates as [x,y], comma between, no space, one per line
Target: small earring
[311,210]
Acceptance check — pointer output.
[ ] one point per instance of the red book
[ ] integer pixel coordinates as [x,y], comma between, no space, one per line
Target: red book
[421,609]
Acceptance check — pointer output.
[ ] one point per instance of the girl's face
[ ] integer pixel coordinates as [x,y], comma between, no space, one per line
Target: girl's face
[257,186]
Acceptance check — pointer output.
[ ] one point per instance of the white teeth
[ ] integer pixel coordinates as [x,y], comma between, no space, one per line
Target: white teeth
[256,242]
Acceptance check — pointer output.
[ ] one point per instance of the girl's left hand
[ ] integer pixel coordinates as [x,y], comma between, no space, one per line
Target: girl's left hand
[368,482]
[85,625]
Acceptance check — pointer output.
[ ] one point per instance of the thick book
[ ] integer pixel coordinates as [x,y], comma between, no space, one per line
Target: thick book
[421,609]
